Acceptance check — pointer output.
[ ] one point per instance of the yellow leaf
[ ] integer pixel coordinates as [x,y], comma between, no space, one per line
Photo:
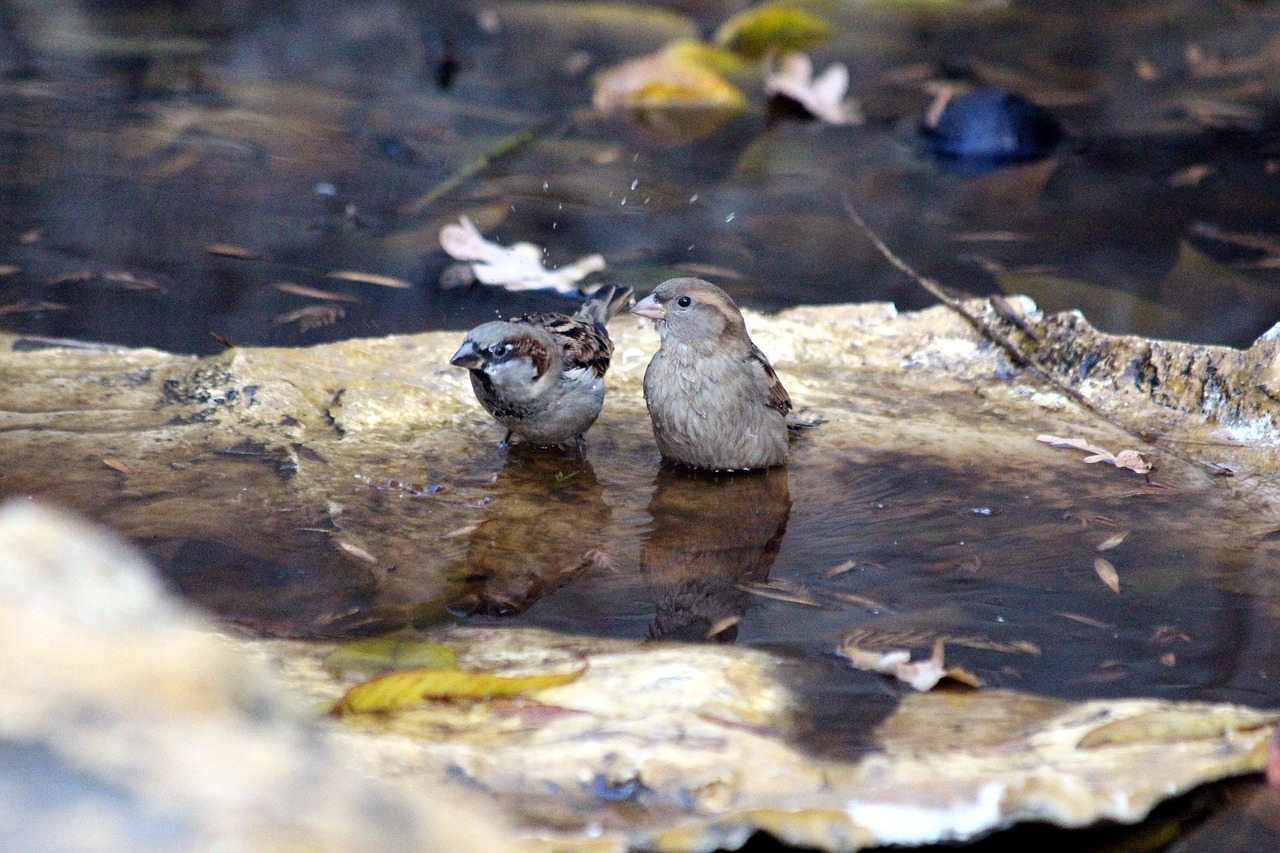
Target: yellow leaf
[716,59]
[773,26]
[382,654]
[664,80]
[409,687]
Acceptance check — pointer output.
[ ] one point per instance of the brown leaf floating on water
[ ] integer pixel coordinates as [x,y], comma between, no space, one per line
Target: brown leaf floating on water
[129,281]
[1131,459]
[781,592]
[31,306]
[1107,572]
[312,317]
[1085,620]
[922,675]
[1112,541]
[227,250]
[369,278]
[314,292]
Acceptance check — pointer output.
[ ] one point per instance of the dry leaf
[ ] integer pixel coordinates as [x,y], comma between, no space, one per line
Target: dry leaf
[860,600]
[1191,175]
[781,592]
[227,250]
[369,278]
[9,269]
[129,281]
[409,687]
[313,292]
[922,675]
[312,317]
[1107,572]
[665,80]
[846,566]
[1112,542]
[1131,459]
[31,306]
[1086,620]
[516,268]
[355,550]
[722,625]
[117,465]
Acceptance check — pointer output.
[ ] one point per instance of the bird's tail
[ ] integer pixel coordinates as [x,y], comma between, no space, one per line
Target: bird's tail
[605,303]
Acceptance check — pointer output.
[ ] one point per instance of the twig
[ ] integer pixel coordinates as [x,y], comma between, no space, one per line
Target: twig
[1015,353]
[505,146]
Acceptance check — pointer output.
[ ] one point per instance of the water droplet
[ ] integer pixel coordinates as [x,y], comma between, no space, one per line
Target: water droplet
[646,199]
[635,157]
[731,217]
[693,198]
[624,200]
[690,249]
[560,206]
[999,618]
[553,225]
[635,184]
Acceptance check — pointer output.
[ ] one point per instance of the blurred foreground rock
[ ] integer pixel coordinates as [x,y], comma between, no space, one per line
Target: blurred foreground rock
[127,723]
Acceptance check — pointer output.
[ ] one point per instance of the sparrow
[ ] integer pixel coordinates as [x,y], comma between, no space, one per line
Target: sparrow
[713,397]
[542,375]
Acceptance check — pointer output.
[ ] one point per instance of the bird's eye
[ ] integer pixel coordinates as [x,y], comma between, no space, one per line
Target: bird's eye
[684,302]
[499,350]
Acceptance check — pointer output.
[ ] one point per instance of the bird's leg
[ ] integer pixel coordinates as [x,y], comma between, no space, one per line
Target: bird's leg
[581,441]
[506,441]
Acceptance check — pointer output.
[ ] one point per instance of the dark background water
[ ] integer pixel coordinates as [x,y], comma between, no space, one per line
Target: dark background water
[133,136]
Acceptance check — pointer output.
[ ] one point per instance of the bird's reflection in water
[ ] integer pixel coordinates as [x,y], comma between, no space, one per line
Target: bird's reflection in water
[540,530]
[710,533]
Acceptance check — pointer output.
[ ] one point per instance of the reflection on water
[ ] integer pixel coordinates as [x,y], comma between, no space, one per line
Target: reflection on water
[541,527]
[709,534]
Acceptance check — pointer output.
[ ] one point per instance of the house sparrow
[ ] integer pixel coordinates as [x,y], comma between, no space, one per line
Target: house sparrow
[714,400]
[542,375]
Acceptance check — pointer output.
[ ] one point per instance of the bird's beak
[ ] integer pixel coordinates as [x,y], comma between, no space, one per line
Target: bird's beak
[649,307]
[467,356]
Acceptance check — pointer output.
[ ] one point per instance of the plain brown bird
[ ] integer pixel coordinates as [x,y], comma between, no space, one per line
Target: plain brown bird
[713,397]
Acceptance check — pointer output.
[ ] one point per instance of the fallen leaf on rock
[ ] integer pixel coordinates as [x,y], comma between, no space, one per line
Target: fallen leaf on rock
[1131,459]
[1107,572]
[117,465]
[409,687]
[823,96]
[518,267]
[922,675]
